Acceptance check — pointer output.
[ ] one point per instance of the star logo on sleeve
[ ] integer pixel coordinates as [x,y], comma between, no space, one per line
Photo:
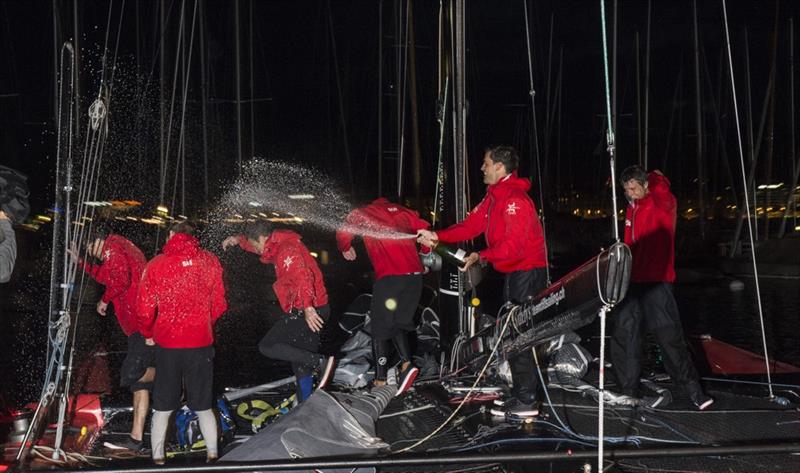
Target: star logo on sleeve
[512,208]
[106,255]
[288,262]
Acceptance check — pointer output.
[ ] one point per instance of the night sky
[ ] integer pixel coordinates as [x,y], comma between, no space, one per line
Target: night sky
[298,117]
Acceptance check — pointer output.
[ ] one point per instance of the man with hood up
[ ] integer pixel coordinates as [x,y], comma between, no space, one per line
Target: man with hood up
[515,247]
[181,296]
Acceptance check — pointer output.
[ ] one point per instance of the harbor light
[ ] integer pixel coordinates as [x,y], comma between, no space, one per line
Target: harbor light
[162,210]
[301,196]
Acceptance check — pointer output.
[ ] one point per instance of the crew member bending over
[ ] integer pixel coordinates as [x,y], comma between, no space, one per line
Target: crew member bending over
[398,279]
[302,296]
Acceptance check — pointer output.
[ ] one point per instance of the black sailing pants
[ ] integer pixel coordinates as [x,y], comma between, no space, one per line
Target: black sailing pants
[651,307]
[519,287]
[290,339]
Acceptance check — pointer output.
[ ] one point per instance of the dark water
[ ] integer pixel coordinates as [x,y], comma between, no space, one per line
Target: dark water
[732,316]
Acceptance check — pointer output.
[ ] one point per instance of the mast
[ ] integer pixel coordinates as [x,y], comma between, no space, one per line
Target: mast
[55,62]
[162,112]
[459,147]
[614,72]
[412,65]
[647,86]
[252,95]
[637,55]
[771,128]
[77,39]
[204,100]
[699,118]
[790,202]
[380,97]
[238,87]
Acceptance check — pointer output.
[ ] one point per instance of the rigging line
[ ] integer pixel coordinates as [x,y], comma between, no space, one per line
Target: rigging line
[532,93]
[182,134]
[164,170]
[610,140]
[747,199]
[116,51]
[469,393]
[440,166]
[105,48]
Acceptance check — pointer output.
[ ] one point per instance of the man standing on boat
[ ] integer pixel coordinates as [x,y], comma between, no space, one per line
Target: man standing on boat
[649,304]
[303,298]
[181,296]
[515,247]
[398,280]
[120,269]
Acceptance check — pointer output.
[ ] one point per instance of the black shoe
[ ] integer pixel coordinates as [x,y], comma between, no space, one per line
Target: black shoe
[515,409]
[325,372]
[701,400]
[128,443]
[406,379]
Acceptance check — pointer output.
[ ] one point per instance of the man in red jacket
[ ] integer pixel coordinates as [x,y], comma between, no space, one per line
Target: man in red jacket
[120,269]
[515,247]
[181,296]
[398,279]
[649,304]
[303,298]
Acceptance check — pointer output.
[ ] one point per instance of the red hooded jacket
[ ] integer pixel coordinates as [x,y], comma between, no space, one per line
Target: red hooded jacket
[650,232]
[181,295]
[507,218]
[120,273]
[299,281]
[389,256]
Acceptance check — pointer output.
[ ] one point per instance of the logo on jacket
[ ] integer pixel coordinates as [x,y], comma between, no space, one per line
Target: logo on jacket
[392,209]
[186,263]
[106,255]
[288,262]
[512,208]
[627,222]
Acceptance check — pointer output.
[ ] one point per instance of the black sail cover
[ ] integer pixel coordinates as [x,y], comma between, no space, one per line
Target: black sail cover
[324,425]
[566,305]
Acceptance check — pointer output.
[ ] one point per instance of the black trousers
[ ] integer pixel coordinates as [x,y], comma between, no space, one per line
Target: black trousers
[191,368]
[291,340]
[520,286]
[650,307]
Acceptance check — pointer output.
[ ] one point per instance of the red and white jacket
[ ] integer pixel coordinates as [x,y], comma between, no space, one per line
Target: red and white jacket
[650,232]
[508,220]
[181,295]
[120,273]
[389,256]
[299,281]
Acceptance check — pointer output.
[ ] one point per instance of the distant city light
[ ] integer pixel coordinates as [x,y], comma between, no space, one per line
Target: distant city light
[253,203]
[162,209]
[97,203]
[770,186]
[301,196]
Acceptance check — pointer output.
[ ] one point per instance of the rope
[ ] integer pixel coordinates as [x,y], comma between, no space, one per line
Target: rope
[471,389]
[747,199]
[532,93]
[440,166]
[610,139]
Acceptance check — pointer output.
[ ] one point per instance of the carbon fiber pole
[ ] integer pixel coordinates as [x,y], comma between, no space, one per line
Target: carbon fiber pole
[417,460]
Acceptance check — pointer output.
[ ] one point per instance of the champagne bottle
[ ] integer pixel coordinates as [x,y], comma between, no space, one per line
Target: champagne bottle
[452,255]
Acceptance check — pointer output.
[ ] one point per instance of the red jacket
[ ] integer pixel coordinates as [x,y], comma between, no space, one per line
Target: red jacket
[507,218]
[389,256]
[120,273]
[299,281]
[181,295]
[650,232]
